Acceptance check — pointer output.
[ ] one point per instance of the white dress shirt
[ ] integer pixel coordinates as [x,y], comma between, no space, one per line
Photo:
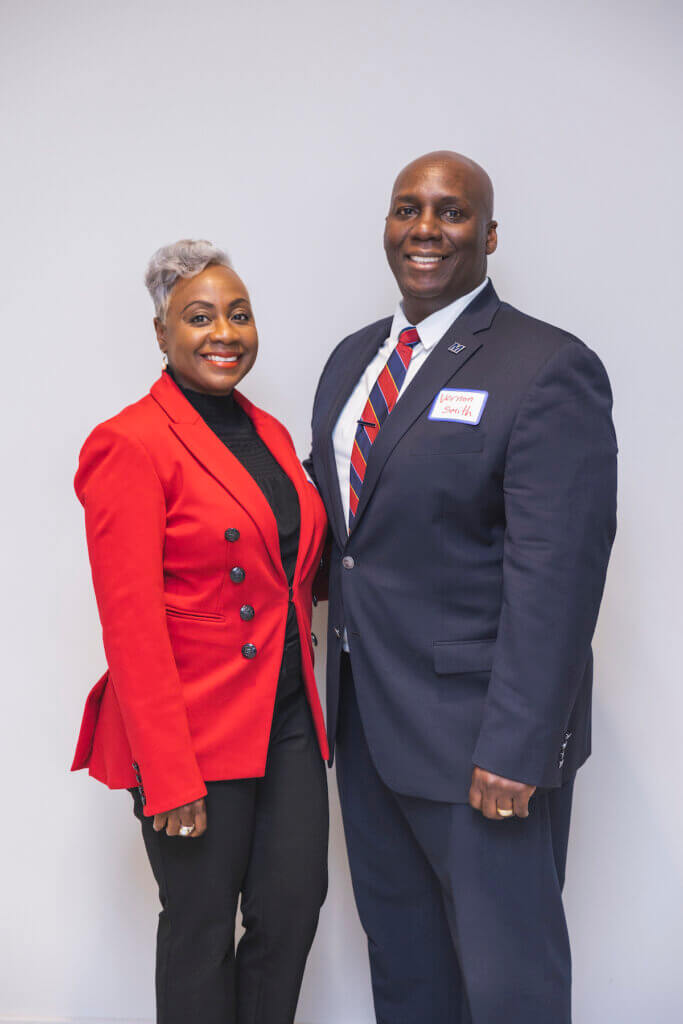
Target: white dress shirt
[431,331]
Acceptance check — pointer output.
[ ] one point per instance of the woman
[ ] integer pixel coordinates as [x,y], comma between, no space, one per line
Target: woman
[204,539]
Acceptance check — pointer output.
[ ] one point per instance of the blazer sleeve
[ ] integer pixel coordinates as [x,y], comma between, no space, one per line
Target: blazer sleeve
[560,509]
[125,518]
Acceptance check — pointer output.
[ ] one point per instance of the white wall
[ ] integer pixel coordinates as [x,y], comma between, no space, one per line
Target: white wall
[276,130]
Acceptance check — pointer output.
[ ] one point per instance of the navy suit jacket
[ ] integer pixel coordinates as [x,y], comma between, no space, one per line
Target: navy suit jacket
[471,581]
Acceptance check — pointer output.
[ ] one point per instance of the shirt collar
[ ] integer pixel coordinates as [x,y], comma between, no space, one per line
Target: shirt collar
[433,328]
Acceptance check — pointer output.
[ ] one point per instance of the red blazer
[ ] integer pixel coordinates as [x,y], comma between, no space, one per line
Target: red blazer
[164,499]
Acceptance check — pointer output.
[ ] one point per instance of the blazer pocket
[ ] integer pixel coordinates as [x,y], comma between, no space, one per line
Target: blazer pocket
[458,657]
[86,733]
[182,613]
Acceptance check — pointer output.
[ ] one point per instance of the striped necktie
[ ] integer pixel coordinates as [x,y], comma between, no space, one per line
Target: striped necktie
[382,400]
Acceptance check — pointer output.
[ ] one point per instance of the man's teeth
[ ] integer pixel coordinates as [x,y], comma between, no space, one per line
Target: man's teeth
[222,359]
[425,259]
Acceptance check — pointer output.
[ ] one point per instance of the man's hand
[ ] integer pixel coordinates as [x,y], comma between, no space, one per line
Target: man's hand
[187,815]
[490,793]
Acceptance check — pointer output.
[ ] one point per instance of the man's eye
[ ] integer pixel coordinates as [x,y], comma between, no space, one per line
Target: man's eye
[452,213]
[405,211]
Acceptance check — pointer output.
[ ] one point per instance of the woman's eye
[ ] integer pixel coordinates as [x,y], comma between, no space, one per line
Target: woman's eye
[242,317]
[199,318]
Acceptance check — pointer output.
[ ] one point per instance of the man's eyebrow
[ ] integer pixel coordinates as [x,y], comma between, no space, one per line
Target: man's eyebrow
[405,197]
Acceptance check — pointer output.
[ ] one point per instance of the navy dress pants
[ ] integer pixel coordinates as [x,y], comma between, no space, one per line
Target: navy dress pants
[266,844]
[463,915]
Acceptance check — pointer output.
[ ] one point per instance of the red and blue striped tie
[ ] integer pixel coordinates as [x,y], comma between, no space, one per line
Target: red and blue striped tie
[382,400]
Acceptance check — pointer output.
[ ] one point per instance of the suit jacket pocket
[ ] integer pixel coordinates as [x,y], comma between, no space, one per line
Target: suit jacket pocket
[457,657]
[465,439]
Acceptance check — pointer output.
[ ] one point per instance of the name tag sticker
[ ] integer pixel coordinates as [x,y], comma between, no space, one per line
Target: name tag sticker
[459,406]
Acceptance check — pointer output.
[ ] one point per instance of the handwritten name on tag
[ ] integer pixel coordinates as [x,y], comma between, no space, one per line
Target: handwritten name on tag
[459,406]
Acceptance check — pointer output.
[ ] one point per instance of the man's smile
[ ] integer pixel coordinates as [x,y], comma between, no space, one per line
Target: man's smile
[425,261]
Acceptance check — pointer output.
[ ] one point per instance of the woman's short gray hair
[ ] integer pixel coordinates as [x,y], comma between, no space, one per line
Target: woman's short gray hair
[185,258]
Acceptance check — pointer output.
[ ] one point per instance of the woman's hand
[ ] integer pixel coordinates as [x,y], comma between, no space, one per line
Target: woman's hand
[188,815]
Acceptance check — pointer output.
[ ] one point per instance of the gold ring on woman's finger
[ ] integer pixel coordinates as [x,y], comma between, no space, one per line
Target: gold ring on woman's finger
[187,830]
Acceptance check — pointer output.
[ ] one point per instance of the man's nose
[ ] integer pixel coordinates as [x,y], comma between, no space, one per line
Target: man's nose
[427,225]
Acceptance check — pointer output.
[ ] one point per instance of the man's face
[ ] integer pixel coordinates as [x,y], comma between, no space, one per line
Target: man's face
[438,233]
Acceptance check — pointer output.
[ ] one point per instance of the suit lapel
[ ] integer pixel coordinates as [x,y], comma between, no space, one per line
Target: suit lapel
[457,346]
[352,371]
[209,450]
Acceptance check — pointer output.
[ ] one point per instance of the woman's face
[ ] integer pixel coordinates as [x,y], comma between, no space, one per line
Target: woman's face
[209,334]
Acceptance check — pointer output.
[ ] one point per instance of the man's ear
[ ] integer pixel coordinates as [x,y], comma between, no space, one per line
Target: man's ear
[492,237]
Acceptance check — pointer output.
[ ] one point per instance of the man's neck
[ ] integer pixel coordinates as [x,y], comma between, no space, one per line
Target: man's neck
[417,310]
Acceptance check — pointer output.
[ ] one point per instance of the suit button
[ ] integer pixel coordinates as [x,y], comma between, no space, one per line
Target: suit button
[237,574]
[315,601]
[246,612]
[314,640]
[348,562]
[232,534]
[248,651]
[337,632]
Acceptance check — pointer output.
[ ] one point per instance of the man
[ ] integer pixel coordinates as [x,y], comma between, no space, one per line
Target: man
[467,459]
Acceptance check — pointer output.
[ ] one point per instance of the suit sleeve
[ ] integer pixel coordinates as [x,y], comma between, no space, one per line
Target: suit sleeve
[560,510]
[125,519]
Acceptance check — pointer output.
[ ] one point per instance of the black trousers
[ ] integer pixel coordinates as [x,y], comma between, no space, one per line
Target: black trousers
[266,841]
[463,915]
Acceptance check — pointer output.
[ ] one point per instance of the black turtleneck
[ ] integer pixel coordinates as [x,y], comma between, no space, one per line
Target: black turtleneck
[230,423]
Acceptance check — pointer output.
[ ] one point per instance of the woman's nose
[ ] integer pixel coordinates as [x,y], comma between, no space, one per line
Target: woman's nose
[223,329]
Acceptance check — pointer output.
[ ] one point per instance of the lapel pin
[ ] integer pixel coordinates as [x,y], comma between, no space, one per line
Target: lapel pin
[456,348]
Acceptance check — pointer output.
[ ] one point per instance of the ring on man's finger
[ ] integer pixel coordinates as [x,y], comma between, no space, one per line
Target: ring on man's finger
[504,812]
[186,830]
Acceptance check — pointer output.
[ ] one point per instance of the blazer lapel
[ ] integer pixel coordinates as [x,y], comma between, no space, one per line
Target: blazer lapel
[277,440]
[352,371]
[441,364]
[209,450]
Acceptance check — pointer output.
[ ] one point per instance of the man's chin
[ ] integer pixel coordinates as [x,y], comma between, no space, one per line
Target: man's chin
[424,290]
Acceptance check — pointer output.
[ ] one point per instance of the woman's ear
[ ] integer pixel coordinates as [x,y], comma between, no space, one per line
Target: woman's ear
[159,330]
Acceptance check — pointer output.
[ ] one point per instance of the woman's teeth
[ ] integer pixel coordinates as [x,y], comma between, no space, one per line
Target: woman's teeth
[222,360]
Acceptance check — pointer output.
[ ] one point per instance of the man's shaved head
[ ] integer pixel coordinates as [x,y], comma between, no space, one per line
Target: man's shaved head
[439,231]
[478,181]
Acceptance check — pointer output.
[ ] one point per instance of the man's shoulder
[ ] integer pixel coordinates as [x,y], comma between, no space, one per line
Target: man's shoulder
[530,331]
[377,329]
[354,343]
[543,350]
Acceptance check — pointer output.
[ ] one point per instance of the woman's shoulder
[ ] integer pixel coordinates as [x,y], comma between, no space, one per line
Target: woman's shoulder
[137,423]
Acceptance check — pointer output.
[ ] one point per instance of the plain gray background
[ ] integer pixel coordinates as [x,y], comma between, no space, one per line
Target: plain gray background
[276,130]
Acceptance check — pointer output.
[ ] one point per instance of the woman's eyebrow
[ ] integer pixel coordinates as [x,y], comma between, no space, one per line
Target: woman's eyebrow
[239,301]
[198,302]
